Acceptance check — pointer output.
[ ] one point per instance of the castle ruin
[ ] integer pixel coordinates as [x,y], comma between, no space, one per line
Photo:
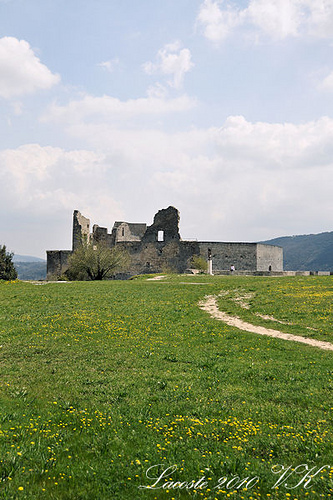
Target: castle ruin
[159,247]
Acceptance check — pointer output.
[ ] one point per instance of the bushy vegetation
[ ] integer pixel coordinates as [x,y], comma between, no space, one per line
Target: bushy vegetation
[200,263]
[101,382]
[7,268]
[96,262]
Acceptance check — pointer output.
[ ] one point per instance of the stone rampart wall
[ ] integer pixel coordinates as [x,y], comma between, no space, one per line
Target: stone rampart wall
[224,255]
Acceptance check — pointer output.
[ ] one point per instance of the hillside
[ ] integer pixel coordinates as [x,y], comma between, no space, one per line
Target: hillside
[31,270]
[29,267]
[308,252]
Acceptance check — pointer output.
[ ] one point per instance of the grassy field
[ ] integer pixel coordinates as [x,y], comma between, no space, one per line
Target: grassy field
[128,390]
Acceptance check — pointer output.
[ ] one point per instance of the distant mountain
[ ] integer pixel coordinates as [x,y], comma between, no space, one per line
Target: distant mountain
[31,270]
[308,252]
[26,258]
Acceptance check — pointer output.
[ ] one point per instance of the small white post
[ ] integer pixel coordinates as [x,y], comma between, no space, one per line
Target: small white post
[210,262]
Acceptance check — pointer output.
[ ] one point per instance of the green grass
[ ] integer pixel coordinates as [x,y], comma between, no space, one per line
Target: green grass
[101,381]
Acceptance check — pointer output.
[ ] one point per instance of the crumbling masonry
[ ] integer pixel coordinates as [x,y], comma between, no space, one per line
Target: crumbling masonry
[159,247]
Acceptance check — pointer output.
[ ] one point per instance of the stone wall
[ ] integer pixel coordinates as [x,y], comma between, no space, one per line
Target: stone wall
[224,255]
[176,256]
[57,262]
[158,257]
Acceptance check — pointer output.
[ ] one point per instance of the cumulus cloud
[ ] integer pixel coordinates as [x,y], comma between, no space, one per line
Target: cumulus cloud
[114,110]
[256,180]
[21,71]
[171,60]
[32,169]
[41,186]
[327,83]
[320,17]
[241,181]
[278,20]
[218,23]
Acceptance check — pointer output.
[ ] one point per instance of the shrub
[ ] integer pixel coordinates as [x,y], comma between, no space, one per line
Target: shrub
[198,262]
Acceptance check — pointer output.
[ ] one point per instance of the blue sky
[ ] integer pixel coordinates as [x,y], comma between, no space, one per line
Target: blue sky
[118,108]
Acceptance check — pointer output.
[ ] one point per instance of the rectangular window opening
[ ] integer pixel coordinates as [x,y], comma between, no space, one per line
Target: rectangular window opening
[160,236]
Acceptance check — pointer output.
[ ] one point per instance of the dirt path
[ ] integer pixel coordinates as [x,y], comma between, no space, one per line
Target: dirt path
[209,304]
[155,278]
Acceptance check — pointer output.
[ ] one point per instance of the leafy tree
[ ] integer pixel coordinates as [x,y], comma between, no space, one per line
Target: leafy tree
[7,268]
[96,262]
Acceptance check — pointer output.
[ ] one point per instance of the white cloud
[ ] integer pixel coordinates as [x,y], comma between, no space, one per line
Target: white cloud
[255,178]
[327,83]
[158,91]
[171,60]
[320,18]
[277,20]
[241,181]
[113,110]
[109,65]
[218,24]
[41,186]
[21,71]
[32,169]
